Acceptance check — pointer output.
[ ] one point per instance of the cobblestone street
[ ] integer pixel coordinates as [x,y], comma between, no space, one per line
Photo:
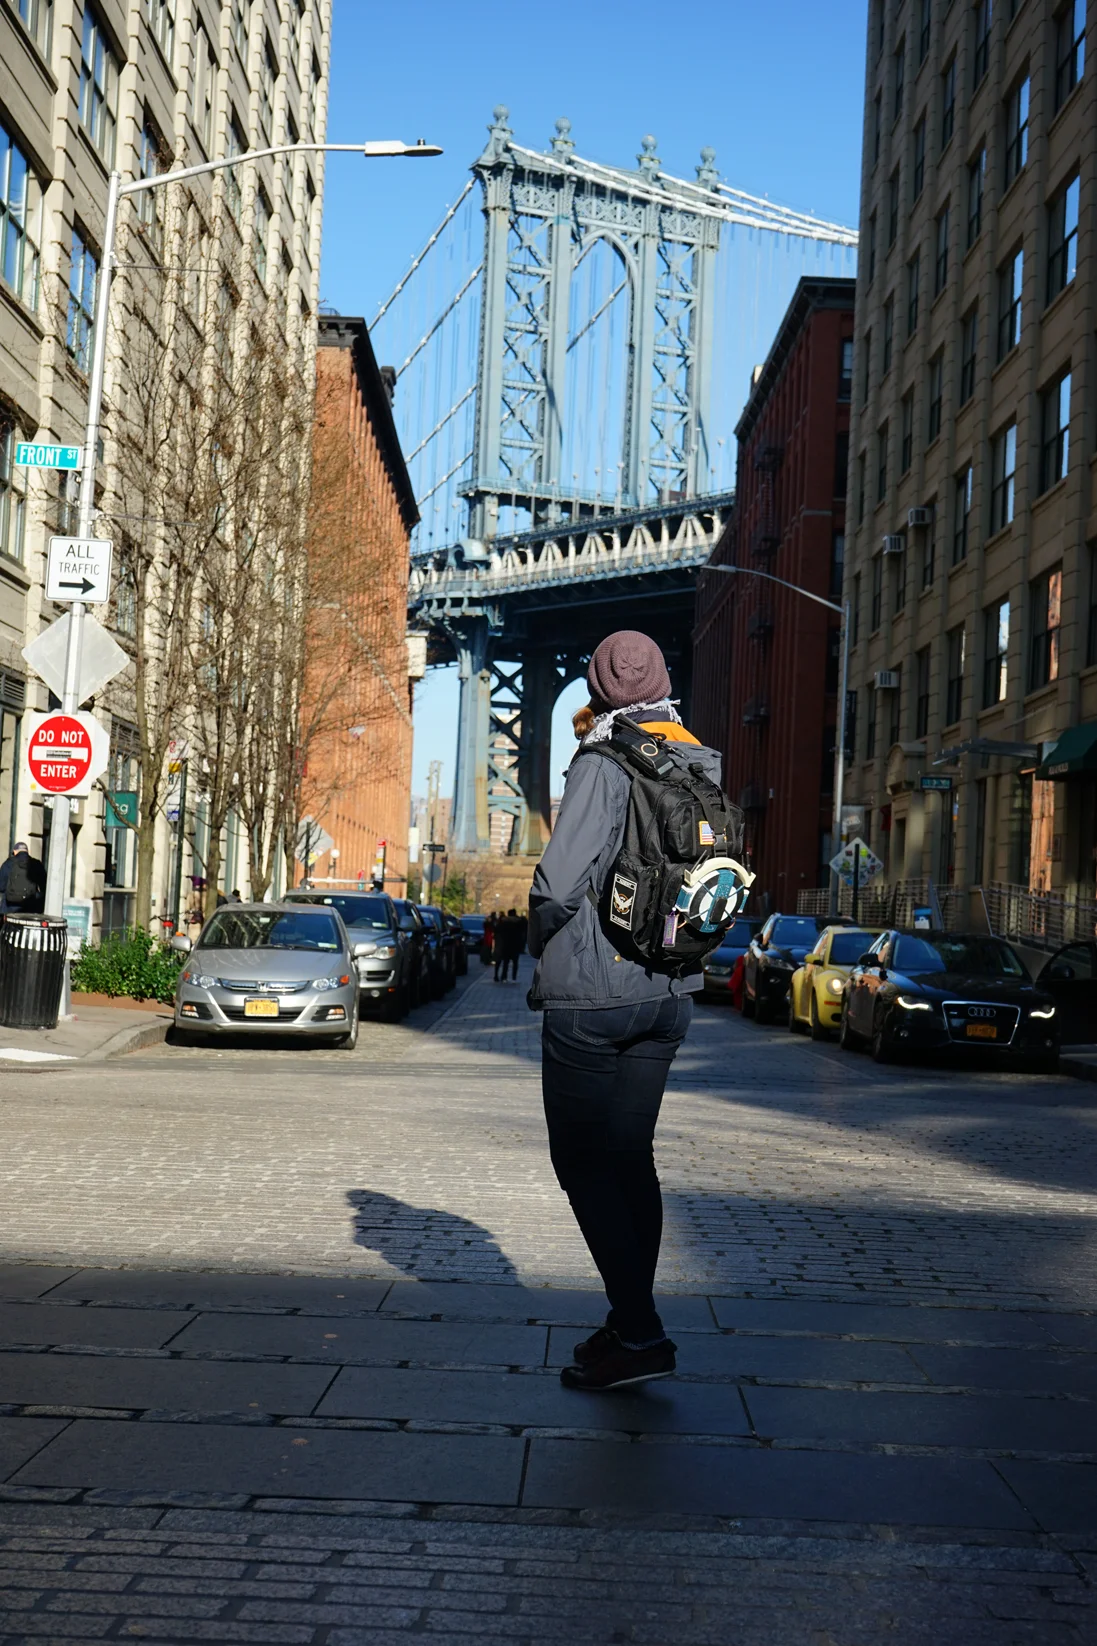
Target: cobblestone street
[279,1347]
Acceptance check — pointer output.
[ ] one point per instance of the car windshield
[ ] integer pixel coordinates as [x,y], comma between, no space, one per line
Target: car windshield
[971,956]
[473,922]
[846,948]
[739,934]
[355,910]
[794,929]
[271,929]
[432,917]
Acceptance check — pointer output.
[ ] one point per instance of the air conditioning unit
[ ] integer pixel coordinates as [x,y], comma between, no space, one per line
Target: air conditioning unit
[895,543]
[919,517]
[886,680]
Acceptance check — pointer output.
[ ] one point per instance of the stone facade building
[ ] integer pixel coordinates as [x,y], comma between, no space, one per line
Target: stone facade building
[970,562]
[141,85]
[358,698]
[765,673]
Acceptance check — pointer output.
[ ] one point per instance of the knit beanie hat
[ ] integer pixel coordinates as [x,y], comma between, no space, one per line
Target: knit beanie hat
[627,668]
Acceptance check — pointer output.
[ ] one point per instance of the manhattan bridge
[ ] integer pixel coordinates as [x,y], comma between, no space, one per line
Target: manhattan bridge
[572,348]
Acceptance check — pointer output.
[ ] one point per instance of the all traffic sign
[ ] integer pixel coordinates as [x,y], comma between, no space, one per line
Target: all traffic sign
[66,752]
[79,569]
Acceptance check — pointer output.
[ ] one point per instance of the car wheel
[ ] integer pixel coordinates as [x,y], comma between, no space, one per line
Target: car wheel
[882,1049]
[347,1042]
[848,1039]
[185,1037]
[819,1030]
[763,1011]
[404,997]
[1041,1065]
[746,1004]
[437,986]
[795,1025]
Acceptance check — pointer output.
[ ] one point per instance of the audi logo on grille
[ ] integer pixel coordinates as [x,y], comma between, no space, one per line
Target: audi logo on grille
[981,1011]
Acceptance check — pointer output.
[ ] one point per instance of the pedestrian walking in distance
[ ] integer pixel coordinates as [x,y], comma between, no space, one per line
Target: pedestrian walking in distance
[612,1024]
[22,882]
[510,942]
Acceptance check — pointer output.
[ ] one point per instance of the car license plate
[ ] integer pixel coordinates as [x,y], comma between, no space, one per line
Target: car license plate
[260,1008]
[982,1031]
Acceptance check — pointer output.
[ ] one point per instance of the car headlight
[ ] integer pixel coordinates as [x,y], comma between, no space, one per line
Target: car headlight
[201,980]
[836,984]
[779,965]
[338,982]
[910,1005]
[1042,1011]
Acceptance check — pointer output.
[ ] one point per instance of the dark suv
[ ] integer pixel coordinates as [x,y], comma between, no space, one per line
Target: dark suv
[774,954]
[443,958]
[418,938]
[385,960]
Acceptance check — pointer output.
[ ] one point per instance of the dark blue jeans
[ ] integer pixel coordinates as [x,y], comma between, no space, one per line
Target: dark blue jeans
[603,1073]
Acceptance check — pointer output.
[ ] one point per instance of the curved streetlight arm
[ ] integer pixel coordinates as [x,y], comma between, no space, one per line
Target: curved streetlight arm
[843,687]
[386,148]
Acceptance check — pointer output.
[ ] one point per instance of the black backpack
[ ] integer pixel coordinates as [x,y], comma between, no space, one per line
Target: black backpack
[675,887]
[21,891]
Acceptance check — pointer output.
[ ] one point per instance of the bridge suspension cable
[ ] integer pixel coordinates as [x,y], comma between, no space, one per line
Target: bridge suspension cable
[440,425]
[442,318]
[417,261]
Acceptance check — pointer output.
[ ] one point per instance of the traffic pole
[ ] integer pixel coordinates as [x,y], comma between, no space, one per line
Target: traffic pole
[840,754]
[180,840]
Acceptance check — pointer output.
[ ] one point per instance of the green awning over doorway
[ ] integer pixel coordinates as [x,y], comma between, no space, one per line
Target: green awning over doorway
[1075,754]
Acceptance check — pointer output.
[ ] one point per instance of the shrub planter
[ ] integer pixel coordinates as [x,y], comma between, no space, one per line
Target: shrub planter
[79,998]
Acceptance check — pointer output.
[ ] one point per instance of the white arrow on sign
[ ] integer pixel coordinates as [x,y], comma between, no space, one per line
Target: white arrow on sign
[101,658]
[79,569]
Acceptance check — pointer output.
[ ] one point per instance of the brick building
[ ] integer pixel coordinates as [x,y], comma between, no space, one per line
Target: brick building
[766,659]
[358,697]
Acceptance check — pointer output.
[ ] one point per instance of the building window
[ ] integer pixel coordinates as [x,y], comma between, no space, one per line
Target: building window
[881,462]
[841,463]
[225,330]
[1070,49]
[889,332]
[895,730]
[866,370]
[876,604]
[913,272]
[995,653]
[1046,599]
[850,749]
[234,198]
[954,676]
[948,104]
[20,222]
[98,86]
[1055,432]
[870,720]
[855,614]
[929,549]
[837,563]
[899,79]
[1017,130]
[158,15]
[961,516]
[921,692]
[1003,470]
[1062,248]
[205,83]
[262,235]
[13,497]
[969,351]
[83,286]
[1010,281]
[925,20]
[296,12]
[976,174]
[37,17]
[862,466]
[918,174]
[1091,628]
[151,162]
[125,602]
[877,127]
[940,259]
[981,57]
[268,78]
[845,369]
[936,395]
[906,450]
[240,26]
[872,248]
[893,207]
[899,595]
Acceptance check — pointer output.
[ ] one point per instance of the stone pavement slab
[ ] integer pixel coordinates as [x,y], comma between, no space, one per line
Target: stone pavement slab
[46,1324]
[21,1437]
[554,1306]
[93,1033]
[448,1343]
[1009,1423]
[29,1280]
[898,1323]
[156,1288]
[788,1359]
[1025,1370]
[1061,1496]
[159,1384]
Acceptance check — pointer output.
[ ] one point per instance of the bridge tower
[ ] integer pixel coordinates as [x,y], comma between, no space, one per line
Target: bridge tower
[543,214]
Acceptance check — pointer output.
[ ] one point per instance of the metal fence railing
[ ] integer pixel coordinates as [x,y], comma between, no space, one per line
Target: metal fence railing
[1046,919]
[1043,919]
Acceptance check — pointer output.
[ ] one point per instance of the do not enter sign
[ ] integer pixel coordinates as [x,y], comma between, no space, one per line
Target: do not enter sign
[66,752]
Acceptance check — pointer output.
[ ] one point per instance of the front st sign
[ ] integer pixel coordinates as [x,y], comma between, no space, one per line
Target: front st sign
[33,454]
[79,569]
[65,752]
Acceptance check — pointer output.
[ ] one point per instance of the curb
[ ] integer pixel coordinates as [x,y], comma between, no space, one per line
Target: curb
[1078,1068]
[133,1039]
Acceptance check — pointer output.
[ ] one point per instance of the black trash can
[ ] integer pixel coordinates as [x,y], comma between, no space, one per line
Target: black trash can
[32,970]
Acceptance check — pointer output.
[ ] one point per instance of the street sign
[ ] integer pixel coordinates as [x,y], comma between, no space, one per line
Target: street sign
[30,455]
[121,809]
[79,569]
[940,784]
[101,658]
[868,864]
[65,752]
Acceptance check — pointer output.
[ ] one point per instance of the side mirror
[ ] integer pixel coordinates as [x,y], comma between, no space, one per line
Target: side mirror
[181,943]
[868,959]
[360,949]
[1060,971]
[812,959]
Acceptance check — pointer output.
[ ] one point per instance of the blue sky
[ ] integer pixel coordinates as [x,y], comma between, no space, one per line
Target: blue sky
[776,90]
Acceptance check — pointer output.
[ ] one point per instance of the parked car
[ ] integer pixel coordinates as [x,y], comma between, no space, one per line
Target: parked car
[443,964]
[913,992]
[718,966]
[386,962]
[815,993]
[473,926]
[414,929]
[262,967]
[771,958]
[460,947]
[1070,978]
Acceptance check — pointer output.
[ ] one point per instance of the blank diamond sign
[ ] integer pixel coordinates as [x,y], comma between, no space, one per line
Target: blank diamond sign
[101,658]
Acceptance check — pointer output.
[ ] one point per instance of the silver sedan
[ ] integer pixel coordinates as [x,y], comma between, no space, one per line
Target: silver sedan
[262,967]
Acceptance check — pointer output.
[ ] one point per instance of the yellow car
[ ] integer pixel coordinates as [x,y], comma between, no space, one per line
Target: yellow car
[815,993]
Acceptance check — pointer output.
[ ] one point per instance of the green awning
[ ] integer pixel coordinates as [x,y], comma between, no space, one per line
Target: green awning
[1075,754]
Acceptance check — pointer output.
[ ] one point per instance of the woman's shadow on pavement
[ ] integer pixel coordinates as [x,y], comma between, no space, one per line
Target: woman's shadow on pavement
[425,1243]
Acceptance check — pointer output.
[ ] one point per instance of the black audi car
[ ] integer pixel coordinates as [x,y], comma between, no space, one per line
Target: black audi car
[961,991]
[784,943]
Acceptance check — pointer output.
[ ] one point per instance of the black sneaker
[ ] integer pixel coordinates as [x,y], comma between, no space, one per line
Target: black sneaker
[617,1367]
[597,1344]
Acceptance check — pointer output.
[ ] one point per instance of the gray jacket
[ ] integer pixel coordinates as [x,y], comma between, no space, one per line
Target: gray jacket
[578,964]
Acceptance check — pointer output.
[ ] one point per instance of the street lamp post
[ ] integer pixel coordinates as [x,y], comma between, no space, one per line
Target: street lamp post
[117,189]
[843,682]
